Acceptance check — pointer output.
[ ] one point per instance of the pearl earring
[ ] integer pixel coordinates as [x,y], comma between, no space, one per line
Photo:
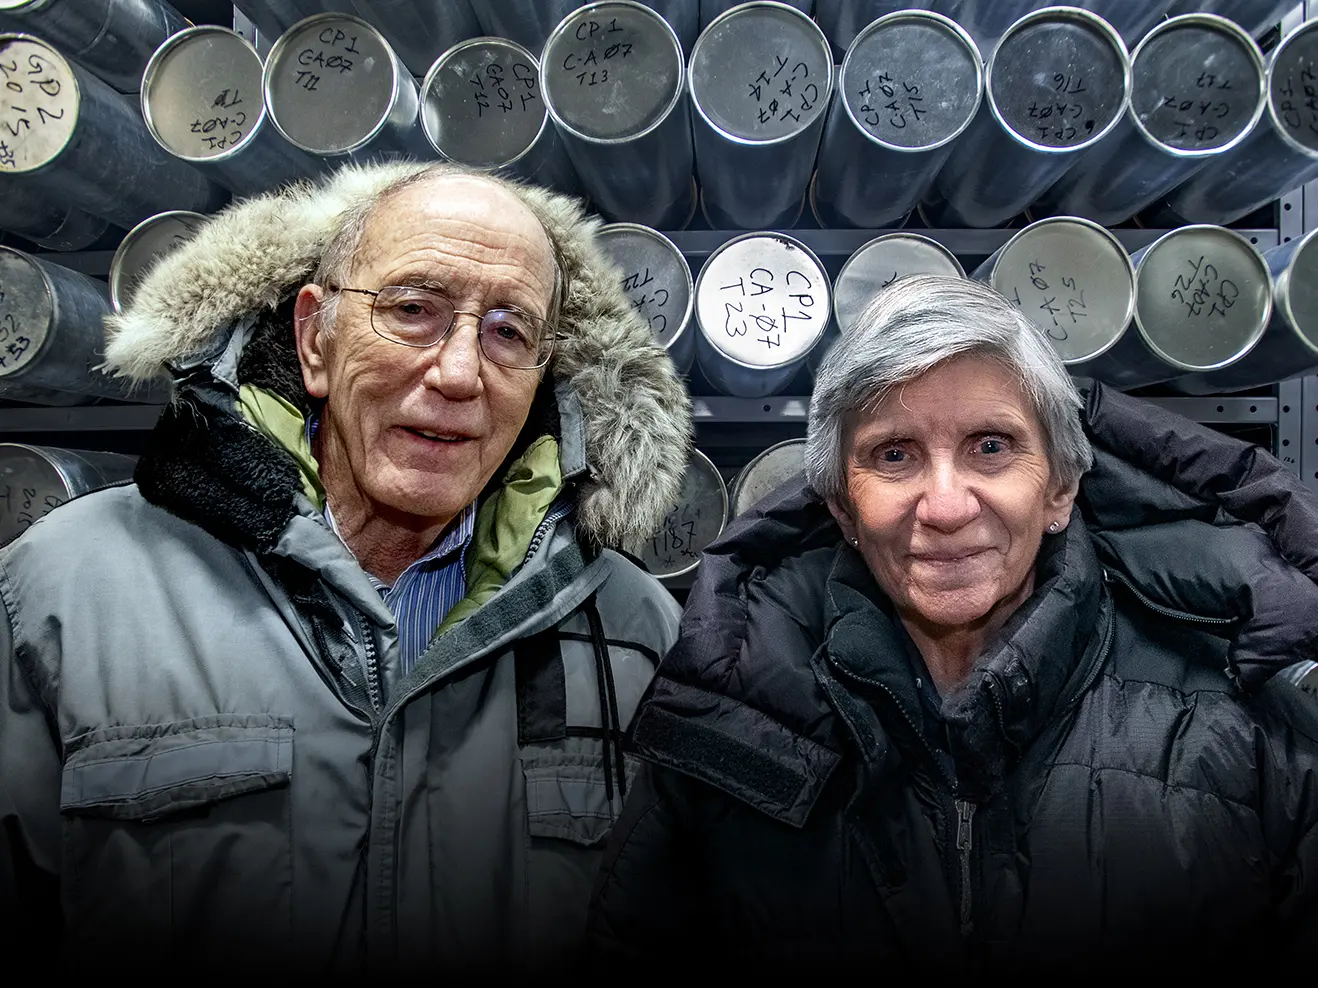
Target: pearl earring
[1053,527]
[855,541]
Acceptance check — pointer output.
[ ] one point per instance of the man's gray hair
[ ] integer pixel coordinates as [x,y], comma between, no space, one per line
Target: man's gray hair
[912,326]
[336,263]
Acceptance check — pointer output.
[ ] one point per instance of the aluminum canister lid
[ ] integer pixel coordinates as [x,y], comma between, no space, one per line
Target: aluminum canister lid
[656,277]
[1203,296]
[1293,88]
[1197,84]
[1073,279]
[612,72]
[912,80]
[692,523]
[761,73]
[765,473]
[877,264]
[762,300]
[330,82]
[154,237]
[39,103]
[1296,293]
[201,93]
[27,310]
[31,486]
[1059,78]
[480,103]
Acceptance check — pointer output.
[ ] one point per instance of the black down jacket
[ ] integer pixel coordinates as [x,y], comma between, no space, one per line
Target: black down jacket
[1122,778]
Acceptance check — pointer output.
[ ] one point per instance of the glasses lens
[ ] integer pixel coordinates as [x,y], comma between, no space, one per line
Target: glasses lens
[513,339]
[412,316]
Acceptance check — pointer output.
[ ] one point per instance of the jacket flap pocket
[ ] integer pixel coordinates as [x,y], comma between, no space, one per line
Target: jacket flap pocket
[141,773]
[566,795]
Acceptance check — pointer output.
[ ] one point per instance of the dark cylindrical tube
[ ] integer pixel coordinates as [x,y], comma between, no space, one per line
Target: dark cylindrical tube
[910,84]
[1203,298]
[683,16]
[67,134]
[1197,90]
[657,278]
[113,38]
[1289,348]
[527,22]
[273,17]
[762,304]
[481,106]
[1255,16]
[51,334]
[47,222]
[761,77]
[769,470]
[874,266]
[1072,279]
[693,522]
[1281,152]
[987,20]
[842,20]
[201,100]
[143,245]
[418,30]
[613,78]
[34,480]
[336,89]
[1055,86]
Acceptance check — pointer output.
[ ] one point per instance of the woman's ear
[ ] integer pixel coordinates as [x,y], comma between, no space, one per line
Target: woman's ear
[1058,504]
[846,518]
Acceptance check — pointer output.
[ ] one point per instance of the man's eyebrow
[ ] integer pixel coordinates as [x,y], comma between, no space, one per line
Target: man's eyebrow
[420,281]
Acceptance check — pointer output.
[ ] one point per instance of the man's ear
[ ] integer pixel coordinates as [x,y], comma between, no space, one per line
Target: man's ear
[311,340]
[846,518]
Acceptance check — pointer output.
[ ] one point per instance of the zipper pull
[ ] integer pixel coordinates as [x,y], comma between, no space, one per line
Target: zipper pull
[965,815]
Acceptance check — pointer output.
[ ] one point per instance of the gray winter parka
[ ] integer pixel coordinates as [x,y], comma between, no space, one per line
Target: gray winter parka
[209,760]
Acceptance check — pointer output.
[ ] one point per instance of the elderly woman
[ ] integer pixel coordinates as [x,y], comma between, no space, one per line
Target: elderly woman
[950,705]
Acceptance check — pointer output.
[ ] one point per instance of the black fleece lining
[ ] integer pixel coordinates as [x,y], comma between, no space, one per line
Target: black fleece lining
[685,743]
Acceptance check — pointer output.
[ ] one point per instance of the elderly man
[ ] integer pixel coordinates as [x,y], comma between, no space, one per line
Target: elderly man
[340,682]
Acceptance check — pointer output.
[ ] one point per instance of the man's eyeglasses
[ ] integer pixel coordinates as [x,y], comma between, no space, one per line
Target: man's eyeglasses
[419,317]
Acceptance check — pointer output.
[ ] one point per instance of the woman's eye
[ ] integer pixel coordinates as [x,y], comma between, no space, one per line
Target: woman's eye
[991,446]
[892,455]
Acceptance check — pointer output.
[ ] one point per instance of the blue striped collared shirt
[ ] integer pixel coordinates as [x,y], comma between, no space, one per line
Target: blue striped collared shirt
[429,588]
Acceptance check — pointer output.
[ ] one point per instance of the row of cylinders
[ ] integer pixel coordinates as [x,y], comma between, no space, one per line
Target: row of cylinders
[34,480]
[1199,308]
[1196,125]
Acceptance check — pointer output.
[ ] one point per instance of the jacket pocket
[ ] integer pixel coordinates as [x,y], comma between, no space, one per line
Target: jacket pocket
[566,793]
[179,835]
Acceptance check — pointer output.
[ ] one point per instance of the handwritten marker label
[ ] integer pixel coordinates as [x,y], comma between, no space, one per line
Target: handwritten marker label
[691,524]
[1295,88]
[38,105]
[482,105]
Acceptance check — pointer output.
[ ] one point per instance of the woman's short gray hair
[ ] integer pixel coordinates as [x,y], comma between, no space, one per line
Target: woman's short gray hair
[910,327]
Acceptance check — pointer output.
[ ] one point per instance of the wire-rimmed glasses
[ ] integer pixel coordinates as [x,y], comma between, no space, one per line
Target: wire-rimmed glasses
[421,317]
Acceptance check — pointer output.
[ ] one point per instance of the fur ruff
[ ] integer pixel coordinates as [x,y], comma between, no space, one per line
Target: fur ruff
[255,253]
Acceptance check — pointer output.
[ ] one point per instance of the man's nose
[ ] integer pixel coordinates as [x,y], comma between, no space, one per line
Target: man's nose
[947,501]
[455,370]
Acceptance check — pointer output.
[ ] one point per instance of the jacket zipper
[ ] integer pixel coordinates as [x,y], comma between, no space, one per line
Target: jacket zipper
[1158,608]
[372,663]
[554,516]
[965,815]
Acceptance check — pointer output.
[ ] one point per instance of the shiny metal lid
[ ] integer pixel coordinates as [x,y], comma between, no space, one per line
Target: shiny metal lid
[154,237]
[762,299]
[656,277]
[761,73]
[612,71]
[1197,84]
[330,82]
[480,103]
[877,264]
[201,93]
[1059,79]
[1293,88]
[1296,293]
[39,103]
[1073,279]
[27,310]
[692,523]
[912,80]
[766,472]
[1203,297]
[30,488]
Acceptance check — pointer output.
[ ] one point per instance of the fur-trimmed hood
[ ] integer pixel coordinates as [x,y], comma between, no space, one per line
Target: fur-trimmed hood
[245,264]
